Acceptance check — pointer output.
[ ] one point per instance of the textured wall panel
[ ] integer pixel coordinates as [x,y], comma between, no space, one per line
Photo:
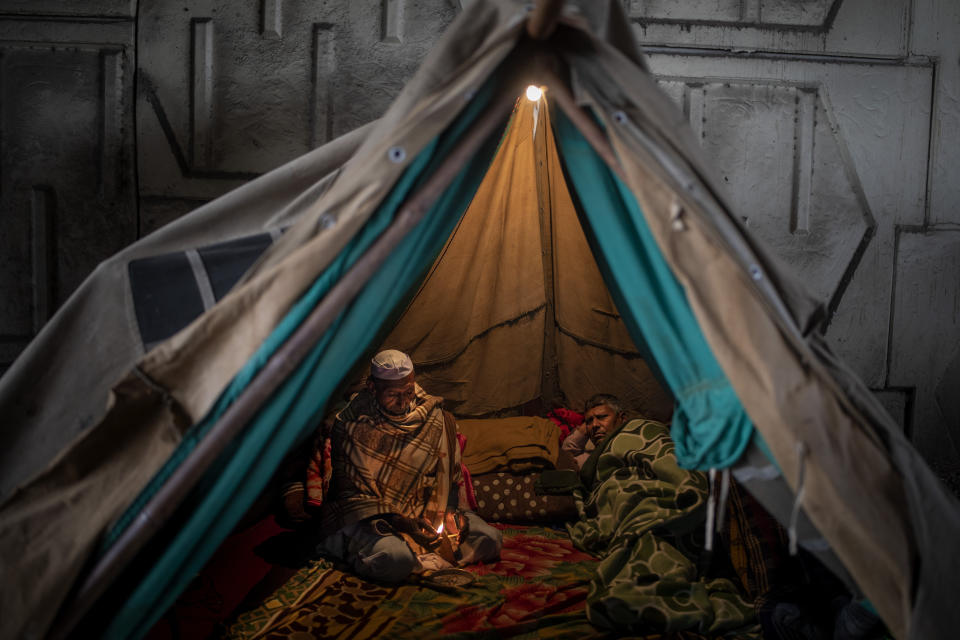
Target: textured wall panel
[797,13]
[815,14]
[791,178]
[698,10]
[323,83]
[392,20]
[70,8]
[871,28]
[272,26]
[230,90]
[157,211]
[10,348]
[925,336]
[898,403]
[805,151]
[66,188]
[936,25]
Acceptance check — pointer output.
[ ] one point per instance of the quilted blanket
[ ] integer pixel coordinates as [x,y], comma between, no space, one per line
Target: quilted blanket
[641,513]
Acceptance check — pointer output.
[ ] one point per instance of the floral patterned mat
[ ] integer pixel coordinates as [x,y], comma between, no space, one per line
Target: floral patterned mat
[538,589]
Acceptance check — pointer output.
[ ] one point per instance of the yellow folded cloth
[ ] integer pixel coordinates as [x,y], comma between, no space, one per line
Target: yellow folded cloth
[521,444]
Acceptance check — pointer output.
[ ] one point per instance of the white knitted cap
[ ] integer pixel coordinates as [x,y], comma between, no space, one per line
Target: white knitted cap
[391,365]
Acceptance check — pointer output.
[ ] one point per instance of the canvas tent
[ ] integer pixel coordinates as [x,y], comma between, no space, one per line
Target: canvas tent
[723,326]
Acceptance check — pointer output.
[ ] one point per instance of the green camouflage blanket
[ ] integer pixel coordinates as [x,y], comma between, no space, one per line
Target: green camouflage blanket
[640,512]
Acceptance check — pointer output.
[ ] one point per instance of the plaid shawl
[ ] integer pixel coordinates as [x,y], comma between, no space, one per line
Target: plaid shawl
[383,465]
[319,472]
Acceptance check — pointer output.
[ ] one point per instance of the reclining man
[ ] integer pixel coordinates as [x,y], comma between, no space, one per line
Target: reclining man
[603,413]
[643,514]
[396,473]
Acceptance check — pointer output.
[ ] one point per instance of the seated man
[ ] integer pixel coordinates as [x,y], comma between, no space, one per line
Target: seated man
[602,413]
[396,471]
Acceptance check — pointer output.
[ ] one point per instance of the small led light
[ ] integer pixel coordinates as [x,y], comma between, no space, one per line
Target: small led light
[533,93]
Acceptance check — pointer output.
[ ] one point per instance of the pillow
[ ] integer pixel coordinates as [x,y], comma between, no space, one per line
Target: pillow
[505,497]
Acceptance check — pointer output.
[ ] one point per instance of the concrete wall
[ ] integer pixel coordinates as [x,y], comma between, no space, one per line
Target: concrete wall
[834,124]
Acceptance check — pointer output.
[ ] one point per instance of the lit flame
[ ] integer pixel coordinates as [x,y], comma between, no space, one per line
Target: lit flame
[440,529]
[533,93]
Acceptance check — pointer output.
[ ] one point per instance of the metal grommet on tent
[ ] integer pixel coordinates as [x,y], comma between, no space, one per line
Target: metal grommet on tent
[676,216]
[755,272]
[326,221]
[619,117]
[397,154]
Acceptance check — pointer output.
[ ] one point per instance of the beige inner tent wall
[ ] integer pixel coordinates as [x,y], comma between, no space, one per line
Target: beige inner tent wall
[515,309]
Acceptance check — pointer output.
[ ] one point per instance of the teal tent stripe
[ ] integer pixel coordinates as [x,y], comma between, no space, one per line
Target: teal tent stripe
[294,410]
[298,313]
[710,427]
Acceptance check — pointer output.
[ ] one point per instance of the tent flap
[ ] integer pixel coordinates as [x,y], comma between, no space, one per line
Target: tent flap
[294,410]
[710,427]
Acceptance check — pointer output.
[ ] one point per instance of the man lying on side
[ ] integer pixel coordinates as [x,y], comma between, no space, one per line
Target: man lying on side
[644,516]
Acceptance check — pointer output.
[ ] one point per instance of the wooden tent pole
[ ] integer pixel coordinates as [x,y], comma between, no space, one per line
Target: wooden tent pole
[284,361]
[543,19]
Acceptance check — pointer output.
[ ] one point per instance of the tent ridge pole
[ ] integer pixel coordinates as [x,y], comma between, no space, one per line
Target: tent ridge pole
[281,364]
[543,20]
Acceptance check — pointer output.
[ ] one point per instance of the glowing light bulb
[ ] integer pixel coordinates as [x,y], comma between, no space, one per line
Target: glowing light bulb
[533,93]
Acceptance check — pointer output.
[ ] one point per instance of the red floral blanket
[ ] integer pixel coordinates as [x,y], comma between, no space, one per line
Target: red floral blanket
[537,589]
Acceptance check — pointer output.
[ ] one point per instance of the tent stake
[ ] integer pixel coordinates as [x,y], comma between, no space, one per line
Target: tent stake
[277,369]
[543,19]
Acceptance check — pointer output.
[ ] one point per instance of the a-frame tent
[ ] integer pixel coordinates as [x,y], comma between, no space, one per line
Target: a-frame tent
[220,403]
